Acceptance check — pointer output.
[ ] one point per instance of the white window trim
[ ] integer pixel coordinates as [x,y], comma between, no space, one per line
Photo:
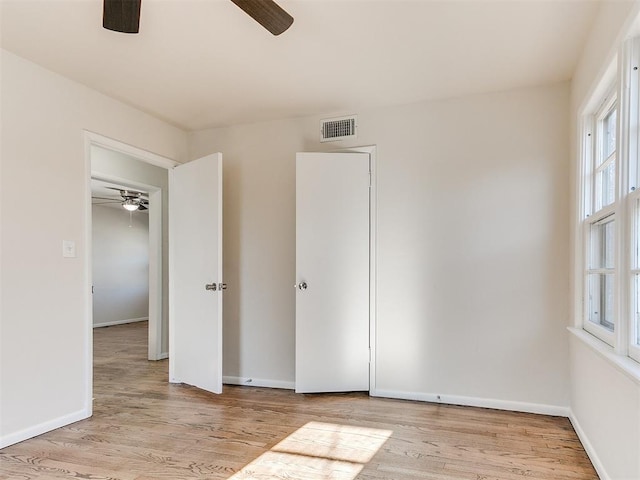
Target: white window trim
[624,364]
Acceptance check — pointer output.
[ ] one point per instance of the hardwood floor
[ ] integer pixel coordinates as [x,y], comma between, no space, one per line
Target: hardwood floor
[144,428]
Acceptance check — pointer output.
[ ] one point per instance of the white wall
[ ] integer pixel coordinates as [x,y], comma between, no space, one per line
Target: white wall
[44,318]
[472,247]
[611,23]
[258,246]
[605,406]
[120,251]
[604,402]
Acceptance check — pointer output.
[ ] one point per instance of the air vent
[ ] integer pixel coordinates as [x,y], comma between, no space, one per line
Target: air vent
[334,129]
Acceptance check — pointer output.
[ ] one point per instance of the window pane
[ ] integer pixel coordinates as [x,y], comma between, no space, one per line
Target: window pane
[601,299]
[635,326]
[601,284]
[602,244]
[609,135]
[635,261]
[636,303]
[606,186]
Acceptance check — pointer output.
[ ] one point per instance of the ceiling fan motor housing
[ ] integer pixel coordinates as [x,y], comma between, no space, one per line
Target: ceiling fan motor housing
[134,200]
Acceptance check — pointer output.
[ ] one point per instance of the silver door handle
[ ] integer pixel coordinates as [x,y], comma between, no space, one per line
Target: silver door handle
[211,286]
[222,286]
[302,285]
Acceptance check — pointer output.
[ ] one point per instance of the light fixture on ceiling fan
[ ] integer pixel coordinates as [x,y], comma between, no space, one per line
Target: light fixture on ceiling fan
[124,15]
[130,204]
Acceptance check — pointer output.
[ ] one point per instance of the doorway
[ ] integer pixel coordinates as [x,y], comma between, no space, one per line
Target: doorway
[132,172]
[104,160]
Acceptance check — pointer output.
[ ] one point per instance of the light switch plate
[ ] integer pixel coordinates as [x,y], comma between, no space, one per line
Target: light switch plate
[68,249]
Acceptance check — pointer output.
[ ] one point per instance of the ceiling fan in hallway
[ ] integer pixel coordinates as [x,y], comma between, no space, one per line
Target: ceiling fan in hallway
[124,15]
[131,199]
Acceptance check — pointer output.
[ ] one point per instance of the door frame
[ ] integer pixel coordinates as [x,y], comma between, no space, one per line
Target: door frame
[373,273]
[155,245]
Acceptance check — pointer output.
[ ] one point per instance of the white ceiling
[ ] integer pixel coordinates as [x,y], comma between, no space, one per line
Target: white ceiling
[205,63]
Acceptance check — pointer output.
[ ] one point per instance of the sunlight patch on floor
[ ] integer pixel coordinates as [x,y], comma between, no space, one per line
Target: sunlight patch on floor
[318,451]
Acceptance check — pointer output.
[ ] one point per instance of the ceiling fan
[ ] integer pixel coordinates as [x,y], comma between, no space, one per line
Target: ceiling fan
[124,15]
[131,200]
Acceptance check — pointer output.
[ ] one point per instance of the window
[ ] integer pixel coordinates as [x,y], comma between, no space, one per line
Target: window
[610,214]
[600,221]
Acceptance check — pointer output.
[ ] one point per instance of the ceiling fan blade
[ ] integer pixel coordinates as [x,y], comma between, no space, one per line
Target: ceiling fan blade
[127,193]
[267,13]
[142,206]
[121,15]
[109,199]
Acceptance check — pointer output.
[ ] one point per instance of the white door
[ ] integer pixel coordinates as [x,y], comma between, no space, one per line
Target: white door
[332,272]
[195,272]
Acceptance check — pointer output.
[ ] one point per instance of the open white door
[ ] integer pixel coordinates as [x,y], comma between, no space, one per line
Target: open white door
[332,272]
[195,272]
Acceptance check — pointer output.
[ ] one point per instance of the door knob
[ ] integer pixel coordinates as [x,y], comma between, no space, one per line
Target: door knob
[211,286]
[302,285]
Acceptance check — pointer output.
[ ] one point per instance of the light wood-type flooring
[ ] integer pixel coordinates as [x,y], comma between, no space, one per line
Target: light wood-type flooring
[144,428]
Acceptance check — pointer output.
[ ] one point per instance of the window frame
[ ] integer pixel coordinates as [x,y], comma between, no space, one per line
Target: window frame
[619,90]
[629,126]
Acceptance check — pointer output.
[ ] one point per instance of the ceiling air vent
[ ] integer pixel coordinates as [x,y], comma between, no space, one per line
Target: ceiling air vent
[333,129]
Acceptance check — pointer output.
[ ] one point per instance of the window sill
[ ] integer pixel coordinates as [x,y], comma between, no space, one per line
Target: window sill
[626,365]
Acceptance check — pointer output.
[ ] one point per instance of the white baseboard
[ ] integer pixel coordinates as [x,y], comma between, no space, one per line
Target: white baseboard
[120,322]
[553,410]
[591,453]
[258,382]
[41,428]
[161,356]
